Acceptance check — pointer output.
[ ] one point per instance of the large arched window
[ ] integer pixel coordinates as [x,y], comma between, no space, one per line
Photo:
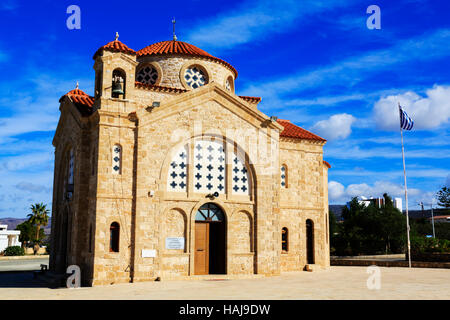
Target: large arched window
[284,239]
[114,237]
[209,168]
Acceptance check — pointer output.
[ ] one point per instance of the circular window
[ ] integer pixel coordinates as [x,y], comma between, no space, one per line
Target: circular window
[147,75]
[195,77]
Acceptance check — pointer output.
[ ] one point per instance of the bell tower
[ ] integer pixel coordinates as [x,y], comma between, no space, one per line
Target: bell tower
[115,68]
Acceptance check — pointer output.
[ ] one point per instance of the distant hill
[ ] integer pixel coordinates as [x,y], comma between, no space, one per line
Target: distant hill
[336,209]
[13,222]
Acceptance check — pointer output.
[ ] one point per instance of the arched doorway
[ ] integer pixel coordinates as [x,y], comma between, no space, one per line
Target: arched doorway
[310,241]
[210,243]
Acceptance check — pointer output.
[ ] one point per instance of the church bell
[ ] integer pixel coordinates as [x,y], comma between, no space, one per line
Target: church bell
[117,87]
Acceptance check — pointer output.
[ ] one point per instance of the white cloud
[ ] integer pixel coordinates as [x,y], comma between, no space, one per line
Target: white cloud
[428,112]
[338,126]
[254,20]
[353,70]
[338,193]
[335,190]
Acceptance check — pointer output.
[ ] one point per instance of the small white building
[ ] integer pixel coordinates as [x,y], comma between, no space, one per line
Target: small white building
[8,238]
[378,202]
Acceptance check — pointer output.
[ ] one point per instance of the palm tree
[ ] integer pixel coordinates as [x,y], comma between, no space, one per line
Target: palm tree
[38,218]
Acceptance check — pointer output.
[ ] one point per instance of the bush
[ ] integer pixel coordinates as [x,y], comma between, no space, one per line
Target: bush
[430,245]
[14,251]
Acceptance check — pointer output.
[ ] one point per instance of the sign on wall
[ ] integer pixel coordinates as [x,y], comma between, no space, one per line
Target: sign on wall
[175,243]
[148,253]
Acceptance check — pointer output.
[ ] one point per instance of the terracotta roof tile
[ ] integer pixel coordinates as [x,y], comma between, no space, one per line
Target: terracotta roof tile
[82,101]
[251,99]
[327,164]
[114,46]
[293,131]
[179,47]
[158,88]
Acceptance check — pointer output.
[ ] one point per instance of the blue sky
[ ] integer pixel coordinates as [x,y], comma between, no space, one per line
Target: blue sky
[313,62]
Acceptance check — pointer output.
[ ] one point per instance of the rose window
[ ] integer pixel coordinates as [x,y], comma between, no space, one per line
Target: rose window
[195,77]
[147,75]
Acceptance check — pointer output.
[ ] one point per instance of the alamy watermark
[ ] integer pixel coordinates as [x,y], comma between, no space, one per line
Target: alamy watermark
[73,22]
[374,280]
[374,20]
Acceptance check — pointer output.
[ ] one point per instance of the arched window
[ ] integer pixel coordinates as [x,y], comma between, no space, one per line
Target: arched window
[114,235]
[229,84]
[70,169]
[118,84]
[283,174]
[209,212]
[284,239]
[117,159]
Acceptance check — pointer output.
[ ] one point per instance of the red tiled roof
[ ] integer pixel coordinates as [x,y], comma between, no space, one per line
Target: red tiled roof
[83,101]
[251,99]
[180,47]
[327,164]
[114,46]
[293,131]
[158,88]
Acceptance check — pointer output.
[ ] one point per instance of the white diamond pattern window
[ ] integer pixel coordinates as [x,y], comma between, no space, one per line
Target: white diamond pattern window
[283,176]
[228,85]
[148,75]
[209,167]
[117,159]
[177,174]
[195,77]
[240,176]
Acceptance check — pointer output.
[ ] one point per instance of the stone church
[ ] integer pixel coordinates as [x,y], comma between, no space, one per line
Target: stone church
[167,173]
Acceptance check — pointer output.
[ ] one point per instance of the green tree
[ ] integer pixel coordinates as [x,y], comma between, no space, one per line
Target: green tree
[370,229]
[28,233]
[38,218]
[443,197]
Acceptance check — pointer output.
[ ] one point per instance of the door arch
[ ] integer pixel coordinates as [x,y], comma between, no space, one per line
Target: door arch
[309,241]
[210,240]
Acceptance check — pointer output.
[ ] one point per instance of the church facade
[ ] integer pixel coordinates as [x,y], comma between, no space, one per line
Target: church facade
[166,173]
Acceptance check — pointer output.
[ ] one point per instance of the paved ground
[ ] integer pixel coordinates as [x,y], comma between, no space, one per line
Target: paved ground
[333,283]
[22,264]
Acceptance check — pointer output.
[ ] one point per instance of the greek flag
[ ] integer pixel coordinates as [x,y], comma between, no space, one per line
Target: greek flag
[406,122]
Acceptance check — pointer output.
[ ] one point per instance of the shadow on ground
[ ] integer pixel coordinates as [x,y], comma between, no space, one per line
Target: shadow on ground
[20,279]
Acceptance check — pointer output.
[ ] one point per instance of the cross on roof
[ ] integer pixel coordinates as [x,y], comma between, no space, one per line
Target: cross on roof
[174,35]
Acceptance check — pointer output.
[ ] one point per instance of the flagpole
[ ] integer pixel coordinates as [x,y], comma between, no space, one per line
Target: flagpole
[406,192]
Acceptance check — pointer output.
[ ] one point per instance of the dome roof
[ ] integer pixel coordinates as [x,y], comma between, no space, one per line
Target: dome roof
[182,48]
[114,46]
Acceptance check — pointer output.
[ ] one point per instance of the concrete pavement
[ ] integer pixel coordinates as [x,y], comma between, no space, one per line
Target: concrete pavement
[332,283]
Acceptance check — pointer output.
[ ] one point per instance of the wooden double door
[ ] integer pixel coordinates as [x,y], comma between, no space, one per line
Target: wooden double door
[210,245]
